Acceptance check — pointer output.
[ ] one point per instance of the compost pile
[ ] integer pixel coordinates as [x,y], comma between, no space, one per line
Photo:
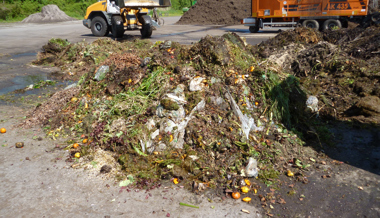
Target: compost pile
[217,12]
[217,114]
[48,14]
[340,67]
[207,115]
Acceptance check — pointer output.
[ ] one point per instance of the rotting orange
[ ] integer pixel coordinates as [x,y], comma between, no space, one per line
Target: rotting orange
[235,195]
[175,181]
[85,141]
[247,199]
[244,189]
[3,130]
[247,182]
[76,145]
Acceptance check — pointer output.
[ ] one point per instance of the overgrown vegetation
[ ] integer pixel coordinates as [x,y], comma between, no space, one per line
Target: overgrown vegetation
[17,10]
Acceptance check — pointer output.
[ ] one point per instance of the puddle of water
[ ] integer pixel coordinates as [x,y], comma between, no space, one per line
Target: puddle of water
[23,55]
[21,82]
[58,85]
[16,76]
[32,97]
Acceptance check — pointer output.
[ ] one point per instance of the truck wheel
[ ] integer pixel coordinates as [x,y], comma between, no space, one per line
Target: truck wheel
[313,24]
[331,24]
[99,26]
[254,29]
[147,28]
[117,26]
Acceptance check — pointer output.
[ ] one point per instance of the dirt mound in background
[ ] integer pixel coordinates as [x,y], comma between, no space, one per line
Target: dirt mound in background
[217,12]
[49,13]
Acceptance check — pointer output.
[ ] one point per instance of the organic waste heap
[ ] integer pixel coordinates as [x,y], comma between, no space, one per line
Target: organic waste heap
[217,113]
[202,114]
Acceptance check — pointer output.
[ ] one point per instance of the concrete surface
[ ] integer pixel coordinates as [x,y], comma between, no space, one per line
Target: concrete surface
[21,38]
[37,182]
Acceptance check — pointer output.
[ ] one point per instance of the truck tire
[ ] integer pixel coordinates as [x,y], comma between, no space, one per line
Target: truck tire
[147,28]
[254,29]
[331,24]
[99,26]
[313,24]
[117,26]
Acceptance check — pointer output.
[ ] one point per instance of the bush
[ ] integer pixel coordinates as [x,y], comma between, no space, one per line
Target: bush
[4,13]
[20,9]
[179,4]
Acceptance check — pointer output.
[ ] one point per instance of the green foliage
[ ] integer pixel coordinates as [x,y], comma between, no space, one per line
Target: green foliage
[179,4]
[279,93]
[168,13]
[15,10]
[60,42]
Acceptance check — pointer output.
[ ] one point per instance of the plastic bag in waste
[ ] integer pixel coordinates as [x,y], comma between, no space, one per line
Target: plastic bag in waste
[160,111]
[179,134]
[70,86]
[179,100]
[145,61]
[101,73]
[247,123]
[251,169]
[197,84]
[312,103]
[166,45]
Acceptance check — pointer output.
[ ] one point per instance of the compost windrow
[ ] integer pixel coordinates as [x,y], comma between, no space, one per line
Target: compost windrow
[217,12]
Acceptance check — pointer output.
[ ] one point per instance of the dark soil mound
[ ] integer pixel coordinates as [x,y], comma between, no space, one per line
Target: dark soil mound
[340,67]
[217,12]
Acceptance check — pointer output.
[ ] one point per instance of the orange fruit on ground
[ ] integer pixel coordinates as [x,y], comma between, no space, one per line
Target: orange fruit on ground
[247,199]
[77,155]
[75,145]
[85,141]
[3,130]
[245,189]
[235,195]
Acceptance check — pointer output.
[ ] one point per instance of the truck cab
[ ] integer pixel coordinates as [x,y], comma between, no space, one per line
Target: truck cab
[118,16]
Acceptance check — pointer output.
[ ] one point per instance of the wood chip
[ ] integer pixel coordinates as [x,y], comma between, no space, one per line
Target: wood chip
[245,211]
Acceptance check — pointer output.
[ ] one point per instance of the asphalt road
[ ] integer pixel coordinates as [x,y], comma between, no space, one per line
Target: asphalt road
[17,38]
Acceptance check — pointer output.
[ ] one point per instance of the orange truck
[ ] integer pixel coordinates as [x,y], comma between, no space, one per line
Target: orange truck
[317,14]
